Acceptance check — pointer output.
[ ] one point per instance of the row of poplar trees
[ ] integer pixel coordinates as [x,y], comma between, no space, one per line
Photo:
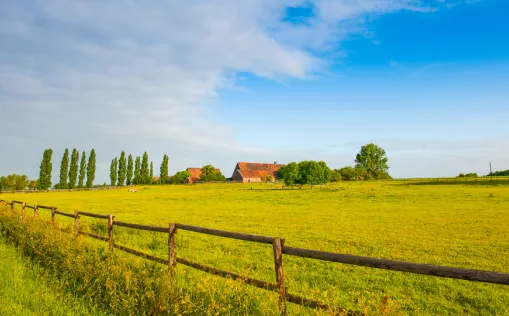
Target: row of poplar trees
[136,171]
[72,173]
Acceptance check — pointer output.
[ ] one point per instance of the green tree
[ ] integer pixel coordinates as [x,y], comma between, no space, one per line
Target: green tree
[209,174]
[151,173]
[335,175]
[290,174]
[144,172]
[73,169]
[91,169]
[21,182]
[180,177]
[374,160]
[137,171]
[64,169]
[313,173]
[349,173]
[113,171]
[46,169]
[130,170]
[499,173]
[32,185]
[14,182]
[163,171]
[122,169]
[83,169]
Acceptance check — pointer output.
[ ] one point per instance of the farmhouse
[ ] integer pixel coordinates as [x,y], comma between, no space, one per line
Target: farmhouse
[255,172]
[195,175]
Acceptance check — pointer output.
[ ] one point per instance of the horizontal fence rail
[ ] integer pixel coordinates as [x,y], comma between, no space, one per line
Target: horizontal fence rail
[44,207]
[64,214]
[91,215]
[279,249]
[222,233]
[417,268]
[142,227]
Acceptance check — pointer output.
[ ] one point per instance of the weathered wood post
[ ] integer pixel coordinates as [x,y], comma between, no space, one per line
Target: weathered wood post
[76,223]
[110,231]
[171,247]
[36,211]
[23,206]
[277,245]
[12,206]
[53,215]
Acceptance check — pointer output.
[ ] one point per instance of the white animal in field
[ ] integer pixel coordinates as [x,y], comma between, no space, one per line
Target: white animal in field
[133,190]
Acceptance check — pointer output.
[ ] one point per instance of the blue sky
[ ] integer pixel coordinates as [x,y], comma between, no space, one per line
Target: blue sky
[221,82]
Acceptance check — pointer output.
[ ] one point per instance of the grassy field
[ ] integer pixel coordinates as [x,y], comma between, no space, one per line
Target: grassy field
[25,290]
[455,224]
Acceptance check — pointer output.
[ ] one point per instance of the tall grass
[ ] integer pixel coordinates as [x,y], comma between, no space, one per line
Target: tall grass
[26,289]
[124,285]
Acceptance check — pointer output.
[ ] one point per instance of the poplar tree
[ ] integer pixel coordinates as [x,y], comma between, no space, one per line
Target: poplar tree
[44,181]
[113,171]
[73,169]
[151,173]
[163,172]
[137,171]
[144,173]
[130,170]
[91,169]
[122,169]
[64,168]
[83,169]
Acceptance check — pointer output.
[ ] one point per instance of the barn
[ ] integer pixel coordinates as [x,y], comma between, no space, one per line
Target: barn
[255,172]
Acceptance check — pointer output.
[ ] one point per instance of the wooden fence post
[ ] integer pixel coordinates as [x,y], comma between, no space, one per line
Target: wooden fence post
[76,223]
[53,215]
[23,205]
[36,211]
[110,231]
[12,206]
[277,244]
[171,247]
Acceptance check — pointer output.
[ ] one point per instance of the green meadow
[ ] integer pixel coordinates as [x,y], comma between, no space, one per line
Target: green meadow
[454,224]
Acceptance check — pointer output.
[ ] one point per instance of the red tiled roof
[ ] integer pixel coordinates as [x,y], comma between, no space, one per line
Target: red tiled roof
[195,172]
[256,173]
[259,166]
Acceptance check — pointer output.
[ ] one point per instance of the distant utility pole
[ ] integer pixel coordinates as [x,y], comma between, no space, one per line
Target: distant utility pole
[491,173]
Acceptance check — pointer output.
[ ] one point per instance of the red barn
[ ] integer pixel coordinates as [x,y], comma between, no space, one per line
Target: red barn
[255,172]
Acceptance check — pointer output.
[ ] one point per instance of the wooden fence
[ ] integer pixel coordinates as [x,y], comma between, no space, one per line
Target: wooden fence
[279,248]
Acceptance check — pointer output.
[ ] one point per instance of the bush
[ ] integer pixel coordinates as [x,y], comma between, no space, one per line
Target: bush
[335,176]
[349,173]
[468,175]
[305,172]
[180,177]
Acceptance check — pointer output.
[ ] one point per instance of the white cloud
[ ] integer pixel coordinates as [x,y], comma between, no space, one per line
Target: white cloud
[138,75]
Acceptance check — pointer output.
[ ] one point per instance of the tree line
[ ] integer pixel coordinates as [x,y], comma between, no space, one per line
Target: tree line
[72,172]
[128,171]
[15,182]
[370,163]
[499,173]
